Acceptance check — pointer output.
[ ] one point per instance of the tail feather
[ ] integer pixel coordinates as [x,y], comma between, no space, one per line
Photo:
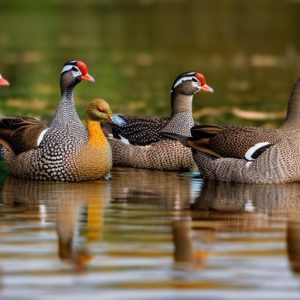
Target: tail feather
[199,145]
[206,131]
[181,138]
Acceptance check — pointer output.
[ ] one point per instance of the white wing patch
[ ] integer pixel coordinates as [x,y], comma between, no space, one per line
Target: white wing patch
[41,136]
[253,149]
[124,140]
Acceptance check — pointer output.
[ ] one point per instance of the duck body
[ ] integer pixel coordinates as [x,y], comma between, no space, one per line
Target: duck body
[140,142]
[61,150]
[278,164]
[76,160]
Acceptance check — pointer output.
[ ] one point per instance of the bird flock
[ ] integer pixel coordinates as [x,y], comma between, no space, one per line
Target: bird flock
[64,149]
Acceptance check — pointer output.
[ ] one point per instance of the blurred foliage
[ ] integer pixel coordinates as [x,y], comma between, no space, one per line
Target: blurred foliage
[248,51]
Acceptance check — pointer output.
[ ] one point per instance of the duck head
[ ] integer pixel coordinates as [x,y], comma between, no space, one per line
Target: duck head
[3,81]
[189,83]
[72,73]
[99,110]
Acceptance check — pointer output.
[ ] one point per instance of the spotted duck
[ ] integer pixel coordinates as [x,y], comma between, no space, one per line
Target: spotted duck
[139,142]
[63,149]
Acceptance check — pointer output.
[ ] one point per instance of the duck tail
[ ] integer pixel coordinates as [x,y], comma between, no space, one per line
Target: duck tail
[181,138]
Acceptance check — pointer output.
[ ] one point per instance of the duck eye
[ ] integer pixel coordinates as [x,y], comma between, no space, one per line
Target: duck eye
[194,79]
[101,109]
[74,69]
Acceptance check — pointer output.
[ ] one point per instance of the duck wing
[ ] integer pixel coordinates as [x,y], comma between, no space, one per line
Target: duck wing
[20,133]
[137,130]
[232,141]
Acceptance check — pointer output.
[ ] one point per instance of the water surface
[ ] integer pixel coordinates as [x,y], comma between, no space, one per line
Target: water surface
[136,238]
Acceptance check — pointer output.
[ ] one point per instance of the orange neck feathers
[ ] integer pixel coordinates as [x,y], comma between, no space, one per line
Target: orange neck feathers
[96,135]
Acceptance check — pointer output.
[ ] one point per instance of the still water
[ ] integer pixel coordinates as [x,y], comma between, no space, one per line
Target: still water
[149,235]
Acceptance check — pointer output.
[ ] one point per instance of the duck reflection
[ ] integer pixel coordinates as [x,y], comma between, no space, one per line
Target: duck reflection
[168,190]
[70,205]
[191,247]
[247,204]
[251,207]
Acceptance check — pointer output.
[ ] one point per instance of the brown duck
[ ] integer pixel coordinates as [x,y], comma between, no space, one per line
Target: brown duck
[220,158]
[140,143]
[63,149]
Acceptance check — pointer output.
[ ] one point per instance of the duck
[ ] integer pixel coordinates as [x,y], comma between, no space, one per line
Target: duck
[62,149]
[139,141]
[249,154]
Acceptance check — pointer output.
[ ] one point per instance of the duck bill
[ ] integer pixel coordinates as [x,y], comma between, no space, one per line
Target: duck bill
[88,77]
[207,89]
[3,82]
[116,119]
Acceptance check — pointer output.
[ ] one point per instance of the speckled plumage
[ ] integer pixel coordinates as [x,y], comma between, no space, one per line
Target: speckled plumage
[278,164]
[147,147]
[140,131]
[163,155]
[231,141]
[65,152]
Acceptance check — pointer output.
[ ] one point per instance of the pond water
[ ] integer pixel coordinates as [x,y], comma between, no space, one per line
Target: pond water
[149,234]
[135,238]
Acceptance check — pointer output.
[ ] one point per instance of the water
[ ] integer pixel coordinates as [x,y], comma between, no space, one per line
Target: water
[136,238]
[146,234]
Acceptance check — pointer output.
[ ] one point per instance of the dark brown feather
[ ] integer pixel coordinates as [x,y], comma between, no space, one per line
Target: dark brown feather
[20,134]
[230,141]
[206,130]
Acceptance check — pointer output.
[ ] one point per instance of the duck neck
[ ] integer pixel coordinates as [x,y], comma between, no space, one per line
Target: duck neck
[96,135]
[181,103]
[66,113]
[292,119]
[181,119]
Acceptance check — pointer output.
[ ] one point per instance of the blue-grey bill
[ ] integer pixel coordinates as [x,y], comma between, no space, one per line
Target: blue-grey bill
[118,120]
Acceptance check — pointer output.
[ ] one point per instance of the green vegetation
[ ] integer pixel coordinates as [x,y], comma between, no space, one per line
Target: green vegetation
[136,48]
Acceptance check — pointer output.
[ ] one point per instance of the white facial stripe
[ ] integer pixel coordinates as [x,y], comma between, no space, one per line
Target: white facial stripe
[253,149]
[66,68]
[41,136]
[185,78]
[70,67]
